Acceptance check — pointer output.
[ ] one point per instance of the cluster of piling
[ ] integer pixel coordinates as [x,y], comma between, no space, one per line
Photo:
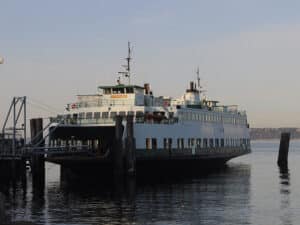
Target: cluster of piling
[123,154]
[37,161]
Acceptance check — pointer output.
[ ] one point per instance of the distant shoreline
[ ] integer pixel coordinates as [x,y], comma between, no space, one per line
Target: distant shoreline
[273,139]
[273,133]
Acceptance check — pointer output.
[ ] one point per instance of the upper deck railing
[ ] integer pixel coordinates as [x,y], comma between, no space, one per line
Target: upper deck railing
[225,109]
[108,121]
[103,102]
[130,102]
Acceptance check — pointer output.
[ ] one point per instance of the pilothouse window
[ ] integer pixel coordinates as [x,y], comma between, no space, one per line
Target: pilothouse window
[129,90]
[118,90]
[107,91]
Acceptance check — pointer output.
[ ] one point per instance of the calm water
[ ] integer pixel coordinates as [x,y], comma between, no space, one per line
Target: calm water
[250,191]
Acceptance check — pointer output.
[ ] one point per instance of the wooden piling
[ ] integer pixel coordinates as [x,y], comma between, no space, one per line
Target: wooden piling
[37,160]
[130,160]
[282,160]
[117,151]
[32,131]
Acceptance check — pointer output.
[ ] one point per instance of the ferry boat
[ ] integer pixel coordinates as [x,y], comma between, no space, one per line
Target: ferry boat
[169,134]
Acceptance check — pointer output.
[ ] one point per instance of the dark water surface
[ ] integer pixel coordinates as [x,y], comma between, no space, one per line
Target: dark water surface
[251,190]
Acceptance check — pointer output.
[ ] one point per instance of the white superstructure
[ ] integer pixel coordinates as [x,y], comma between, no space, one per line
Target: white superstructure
[189,122]
[163,122]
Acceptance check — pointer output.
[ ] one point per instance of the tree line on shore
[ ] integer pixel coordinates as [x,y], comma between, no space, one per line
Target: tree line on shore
[273,133]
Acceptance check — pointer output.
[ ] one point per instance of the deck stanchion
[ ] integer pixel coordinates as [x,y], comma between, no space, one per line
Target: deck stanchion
[282,160]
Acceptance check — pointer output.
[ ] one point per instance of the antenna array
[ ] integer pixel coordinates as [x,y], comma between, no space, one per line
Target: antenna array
[126,73]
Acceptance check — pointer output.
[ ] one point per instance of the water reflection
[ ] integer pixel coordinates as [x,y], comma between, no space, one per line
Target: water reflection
[284,177]
[209,198]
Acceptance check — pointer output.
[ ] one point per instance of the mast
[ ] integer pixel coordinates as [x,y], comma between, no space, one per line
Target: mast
[128,63]
[198,77]
[126,73]
[198,81]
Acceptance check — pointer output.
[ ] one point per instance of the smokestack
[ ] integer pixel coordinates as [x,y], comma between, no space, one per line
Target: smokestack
[191,85]
[147,88]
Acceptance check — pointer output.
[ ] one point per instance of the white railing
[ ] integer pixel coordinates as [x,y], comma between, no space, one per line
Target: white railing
[72,121]
[228,110]
[107,102]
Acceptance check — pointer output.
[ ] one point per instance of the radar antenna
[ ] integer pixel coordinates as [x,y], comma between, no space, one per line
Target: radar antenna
[198,77]
[126,73]
[198,81]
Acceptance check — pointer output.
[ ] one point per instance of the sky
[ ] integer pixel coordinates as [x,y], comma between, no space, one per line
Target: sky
[247,52]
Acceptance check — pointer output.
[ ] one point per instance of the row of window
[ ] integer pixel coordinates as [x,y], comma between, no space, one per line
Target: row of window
[181,143]
[211,117]
[127,90]
[182,115]
[103,115]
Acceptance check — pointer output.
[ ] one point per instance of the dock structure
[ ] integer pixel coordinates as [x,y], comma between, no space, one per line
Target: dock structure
[12,160]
